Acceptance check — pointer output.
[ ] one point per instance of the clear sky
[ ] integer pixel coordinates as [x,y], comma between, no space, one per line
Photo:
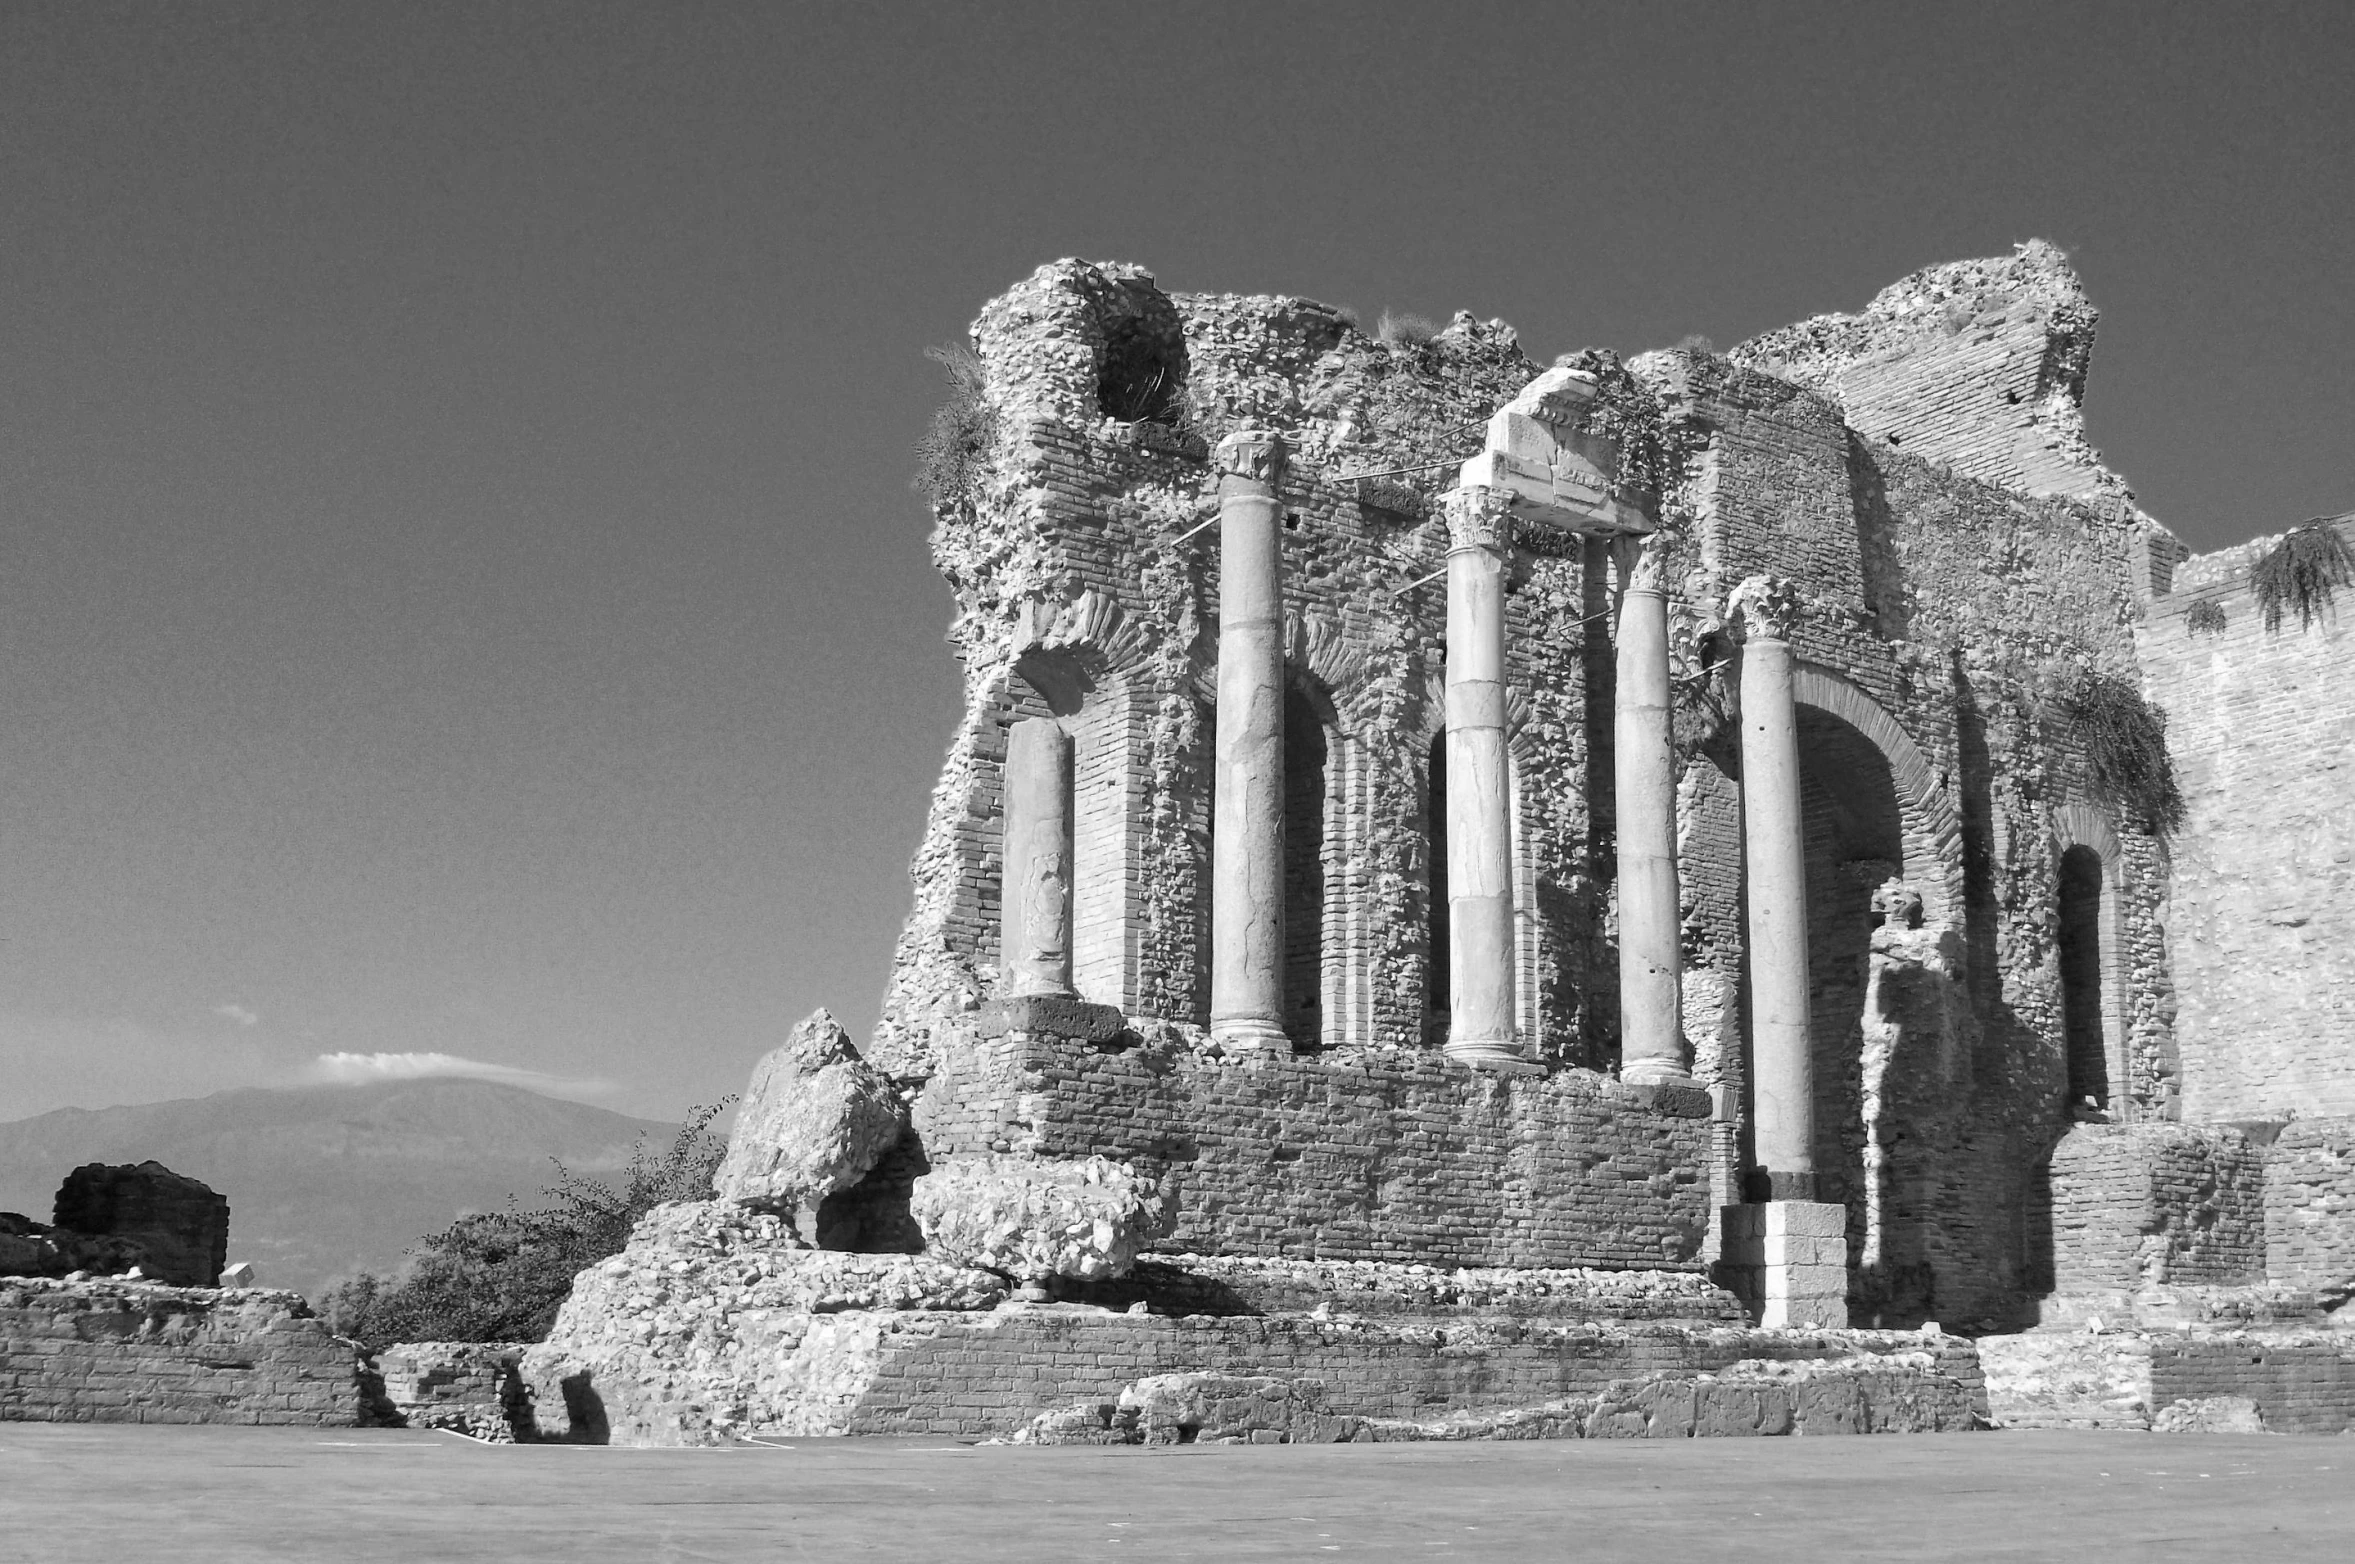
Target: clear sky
[462,595]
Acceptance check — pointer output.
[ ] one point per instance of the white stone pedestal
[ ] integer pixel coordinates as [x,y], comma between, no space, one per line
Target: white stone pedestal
[1787,1260]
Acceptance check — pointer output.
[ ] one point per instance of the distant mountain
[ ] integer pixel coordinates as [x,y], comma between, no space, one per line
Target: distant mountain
[323,1181]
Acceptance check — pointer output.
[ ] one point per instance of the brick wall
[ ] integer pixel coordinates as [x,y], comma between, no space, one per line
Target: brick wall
[1393,1156]
[2262,923]
[2303,1382]
[114,1352]
[2146,1205]
[2310,1208]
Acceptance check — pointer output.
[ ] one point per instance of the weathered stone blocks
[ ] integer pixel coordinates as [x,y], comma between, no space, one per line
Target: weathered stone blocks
[466,1387]
[1035,1219]
[181,1224]
[2298,1381]
[132,1352]
[1787,1260]
[816,1118]
[2310,1209]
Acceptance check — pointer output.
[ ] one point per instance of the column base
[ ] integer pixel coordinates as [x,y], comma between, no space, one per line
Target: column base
[1500,1056]
[1787,1260]
[1655,1072]
[1057,1015]
[1250,1032]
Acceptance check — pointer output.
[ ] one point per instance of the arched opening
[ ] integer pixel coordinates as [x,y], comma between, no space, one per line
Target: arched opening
[1435,966]
[2083,1022]
[1855,842]
[1305,792]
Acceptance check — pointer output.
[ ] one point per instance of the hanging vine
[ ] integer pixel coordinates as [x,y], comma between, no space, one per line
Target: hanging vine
[2302,570]
[2125,741]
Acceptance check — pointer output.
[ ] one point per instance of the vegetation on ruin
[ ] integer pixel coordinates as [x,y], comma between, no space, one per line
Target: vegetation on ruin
[952,451]
[2205,617]
[1138,381]
[502,1275]
[1397,329]
[2301,571]
[2125,740]
[1652,456]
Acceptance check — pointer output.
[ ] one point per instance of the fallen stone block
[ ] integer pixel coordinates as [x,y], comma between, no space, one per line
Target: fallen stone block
[815,1120]
[1032,1220]
[181,1224]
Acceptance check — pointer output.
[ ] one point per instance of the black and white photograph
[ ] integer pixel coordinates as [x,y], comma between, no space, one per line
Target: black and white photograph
[1021,780]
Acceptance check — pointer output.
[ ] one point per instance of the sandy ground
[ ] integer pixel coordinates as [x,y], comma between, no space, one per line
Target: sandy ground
[113,1493]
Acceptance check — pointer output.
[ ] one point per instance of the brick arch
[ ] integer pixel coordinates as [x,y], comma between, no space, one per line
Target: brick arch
[1072,660]
[1933,825]
[2080,825]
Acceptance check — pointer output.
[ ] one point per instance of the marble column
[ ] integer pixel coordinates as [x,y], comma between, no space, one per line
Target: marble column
[1651,1023]
[1785,1253]
[1247,829]
[1481,1022]
[1774,853]
[1034,944]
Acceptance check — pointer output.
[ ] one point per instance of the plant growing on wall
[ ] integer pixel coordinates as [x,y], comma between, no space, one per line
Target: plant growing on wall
[2125,741]
[2205,617]
[950,453]
[2301,570]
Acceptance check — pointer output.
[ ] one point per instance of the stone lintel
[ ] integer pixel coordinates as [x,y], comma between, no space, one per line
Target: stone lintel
[1056,1015]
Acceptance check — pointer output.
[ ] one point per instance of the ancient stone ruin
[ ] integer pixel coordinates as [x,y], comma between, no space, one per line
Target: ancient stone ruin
[1474,897]
[1709,893]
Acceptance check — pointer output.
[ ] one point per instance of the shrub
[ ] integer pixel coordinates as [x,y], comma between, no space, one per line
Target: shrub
[1400,330]
[2301,570]
[950,454]
[2126,745]
[501,1276]
[2205,617]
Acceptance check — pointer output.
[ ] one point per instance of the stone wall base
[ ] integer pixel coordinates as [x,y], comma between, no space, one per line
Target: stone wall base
[133,1352]
[992,1373]
[2299,1382]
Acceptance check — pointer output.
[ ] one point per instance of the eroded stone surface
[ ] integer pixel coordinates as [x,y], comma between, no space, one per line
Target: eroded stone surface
[466,1387]
[139,1352]
[1034,1219]
[814,1120]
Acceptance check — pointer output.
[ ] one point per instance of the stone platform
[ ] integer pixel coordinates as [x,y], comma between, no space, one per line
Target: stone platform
[2285,1381]
[712,1328]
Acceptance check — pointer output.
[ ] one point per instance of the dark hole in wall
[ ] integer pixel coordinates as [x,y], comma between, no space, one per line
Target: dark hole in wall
[2081,975]
[1141,372]
[1304,869]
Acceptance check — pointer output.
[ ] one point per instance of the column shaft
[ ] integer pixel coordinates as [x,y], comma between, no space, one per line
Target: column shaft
[1481,1022]
[1651,1030]
[1035,928]
[1247,831]
[1775,854]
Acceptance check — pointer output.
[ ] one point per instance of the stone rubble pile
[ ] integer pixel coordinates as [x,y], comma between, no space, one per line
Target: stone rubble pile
[1033,1219]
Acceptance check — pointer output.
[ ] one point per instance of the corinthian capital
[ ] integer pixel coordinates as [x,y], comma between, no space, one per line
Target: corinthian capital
[1254,456]
[1642,561]
[1766,607]
[1478,517]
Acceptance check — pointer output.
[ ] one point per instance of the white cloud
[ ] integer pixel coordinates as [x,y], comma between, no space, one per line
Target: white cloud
[239,1014]
[352,1069]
